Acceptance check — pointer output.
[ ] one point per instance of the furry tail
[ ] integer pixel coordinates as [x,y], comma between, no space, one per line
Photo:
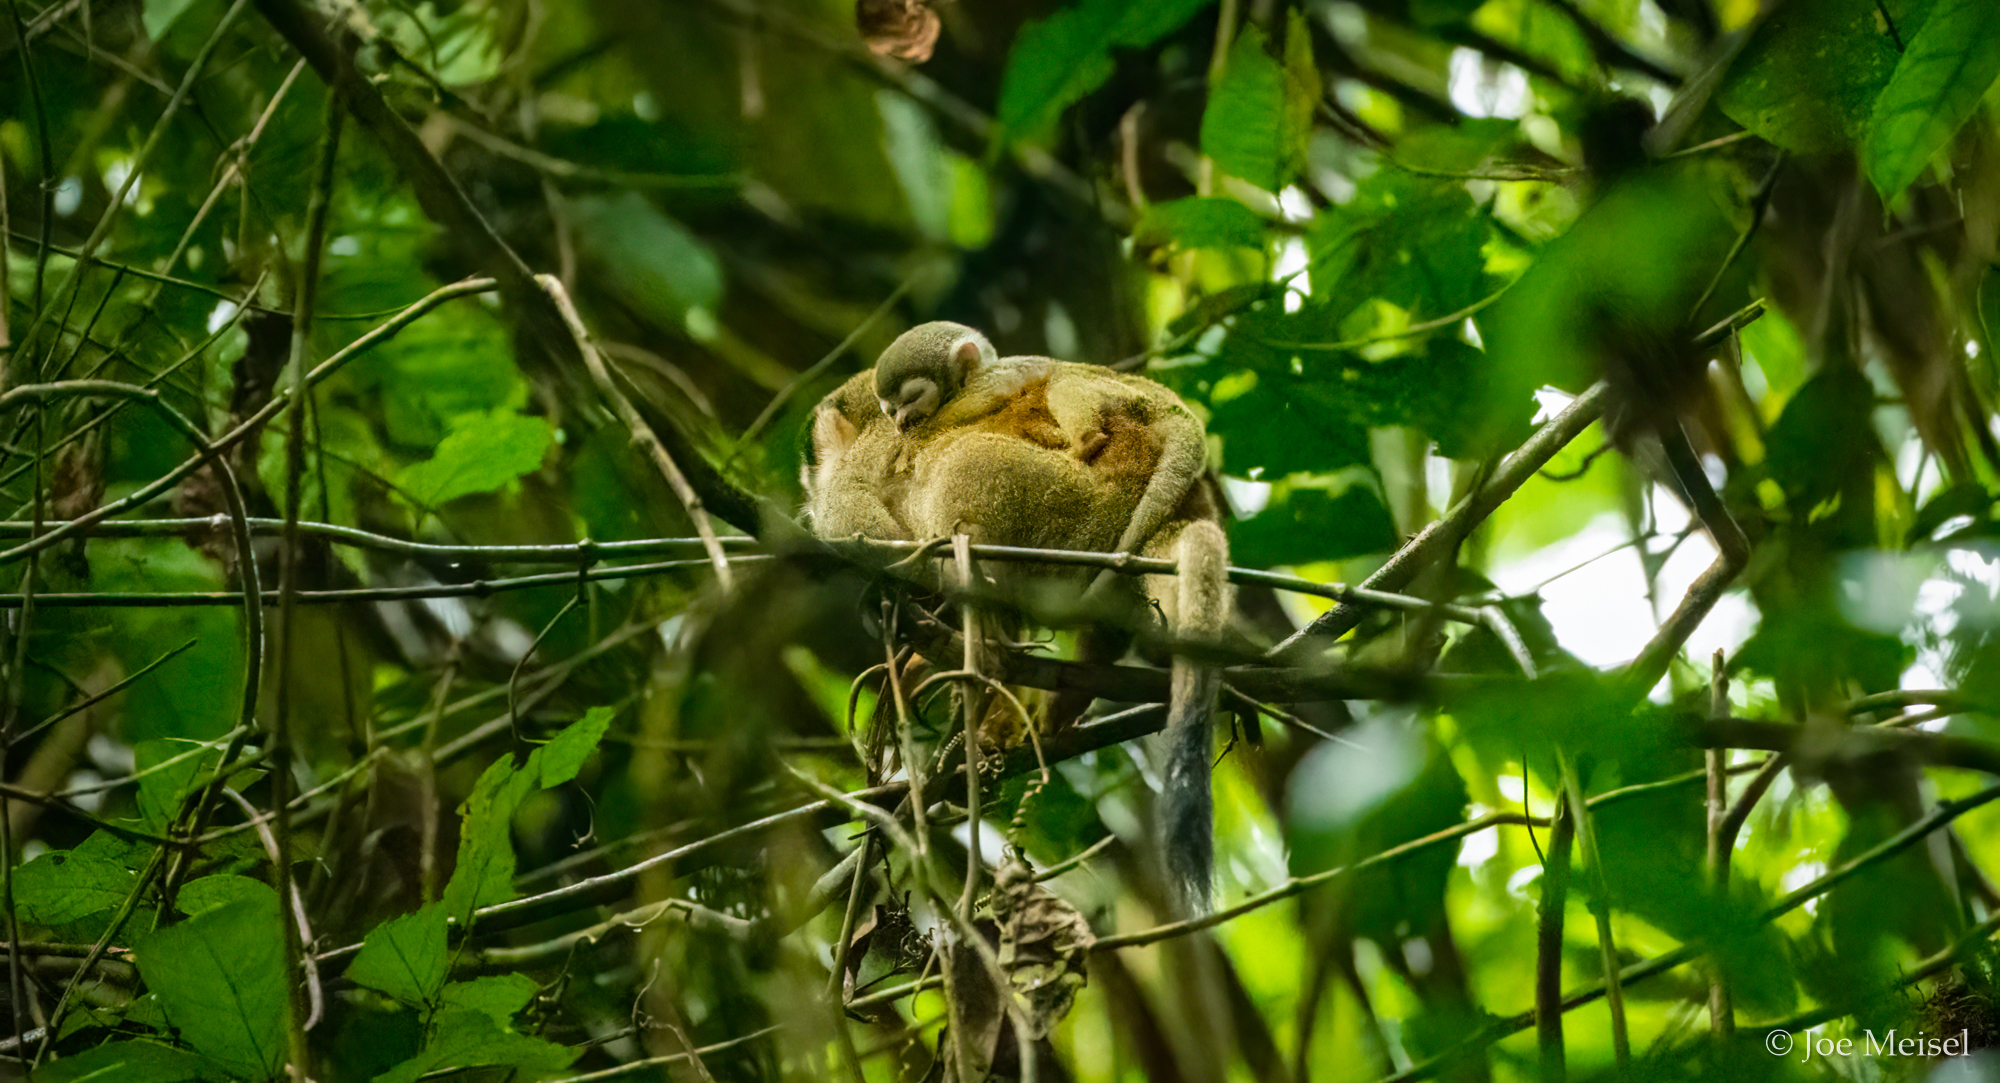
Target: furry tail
[1187,806]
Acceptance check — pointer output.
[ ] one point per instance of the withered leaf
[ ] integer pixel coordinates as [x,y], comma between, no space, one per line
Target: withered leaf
[1044,944]
[904,29]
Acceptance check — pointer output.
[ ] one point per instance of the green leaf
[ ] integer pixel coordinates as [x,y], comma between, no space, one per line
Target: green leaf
[652,261]
[1943,73]
[131,1062]
[1245,126]
[63,886]
[404,957]
[1305,523]
[480,455]
[221,979]
[1808,79]
[1197,222]
[1057,61]
[1270,427]
[1820,447]
[469,1038]
[564,755]
[500,996]
[1413,241]
[423,380]
[161,788]
[1585,290]
[215,892]
[160,14]
[1281,407]
[1303,89]
[484,874]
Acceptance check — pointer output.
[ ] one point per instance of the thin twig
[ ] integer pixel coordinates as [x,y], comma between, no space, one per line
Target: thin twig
[1549,913]
[812,371]
[642,433]
[140,160]
[213,448]
[1721,1016]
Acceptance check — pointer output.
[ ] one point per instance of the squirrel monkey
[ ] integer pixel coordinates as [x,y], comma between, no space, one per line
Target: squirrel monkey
[944,435]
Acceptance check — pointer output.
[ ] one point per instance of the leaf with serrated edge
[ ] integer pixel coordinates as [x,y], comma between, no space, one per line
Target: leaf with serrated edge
[221,979]
[404,957]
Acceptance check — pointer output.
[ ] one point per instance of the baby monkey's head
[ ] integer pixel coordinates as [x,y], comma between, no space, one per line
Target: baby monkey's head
[925,367]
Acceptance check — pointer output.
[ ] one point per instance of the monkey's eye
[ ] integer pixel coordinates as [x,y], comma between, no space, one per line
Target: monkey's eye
[914,390]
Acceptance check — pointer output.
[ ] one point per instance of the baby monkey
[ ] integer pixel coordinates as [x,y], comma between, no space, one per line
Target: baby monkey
[946,436]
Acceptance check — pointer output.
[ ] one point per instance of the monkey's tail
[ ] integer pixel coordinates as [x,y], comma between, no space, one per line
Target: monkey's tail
[1187,805]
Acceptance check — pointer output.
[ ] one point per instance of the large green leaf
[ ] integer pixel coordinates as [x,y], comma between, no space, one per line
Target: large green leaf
[1586,300]
[1197,222]
[62,886]
[1305,523]
[559,761]
[206,893]
[1416,242]
[1271,426]
[1058,60]
[220,977]
[1946,69]
[469,1038]
[500,996]
[1244,126]
[132,1062]
[167,779]
[158,15]
[1809,77]
[482,454]
[404,957]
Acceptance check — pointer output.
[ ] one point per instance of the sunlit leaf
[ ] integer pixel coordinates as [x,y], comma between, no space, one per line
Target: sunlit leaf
[1415,242]
[1198,222]
[1246,124]
[1938,81]
[1809,77]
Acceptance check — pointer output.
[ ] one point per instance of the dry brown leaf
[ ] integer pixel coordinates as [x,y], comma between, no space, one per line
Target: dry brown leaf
[1044,945]
[905,29]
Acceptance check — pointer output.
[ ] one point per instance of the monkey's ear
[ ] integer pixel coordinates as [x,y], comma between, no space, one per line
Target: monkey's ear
[832,434]
[968,355]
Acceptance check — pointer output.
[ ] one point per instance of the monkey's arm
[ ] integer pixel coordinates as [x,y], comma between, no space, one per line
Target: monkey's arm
[1183,457]
[1137,434]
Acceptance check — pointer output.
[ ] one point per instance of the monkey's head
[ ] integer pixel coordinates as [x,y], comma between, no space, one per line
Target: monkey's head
[925,367]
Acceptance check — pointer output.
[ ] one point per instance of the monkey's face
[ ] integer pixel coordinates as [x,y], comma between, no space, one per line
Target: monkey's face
[916,399]
[925,367]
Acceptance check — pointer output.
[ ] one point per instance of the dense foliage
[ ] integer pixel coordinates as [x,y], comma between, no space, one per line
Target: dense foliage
[411,668]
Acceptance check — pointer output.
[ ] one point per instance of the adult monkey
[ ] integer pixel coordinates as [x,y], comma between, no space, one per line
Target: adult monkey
[944,435]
